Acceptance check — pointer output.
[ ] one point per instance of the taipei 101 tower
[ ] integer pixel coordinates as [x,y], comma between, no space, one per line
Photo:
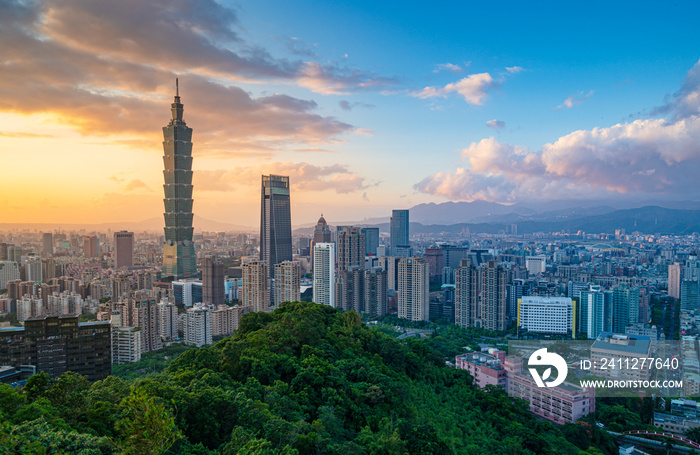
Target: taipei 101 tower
[179,260]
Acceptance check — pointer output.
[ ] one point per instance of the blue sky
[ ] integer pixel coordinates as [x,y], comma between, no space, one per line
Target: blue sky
[367,106]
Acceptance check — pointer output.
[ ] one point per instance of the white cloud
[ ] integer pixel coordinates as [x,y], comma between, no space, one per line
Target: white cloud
[473,89]
[575,100]
[645,157]
[496,124]
[514,69]
[451,67]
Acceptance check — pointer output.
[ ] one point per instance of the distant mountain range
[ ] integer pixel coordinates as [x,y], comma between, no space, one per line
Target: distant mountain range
[486,217]
[677,217]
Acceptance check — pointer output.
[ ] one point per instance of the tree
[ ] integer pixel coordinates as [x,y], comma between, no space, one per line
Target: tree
[148,428]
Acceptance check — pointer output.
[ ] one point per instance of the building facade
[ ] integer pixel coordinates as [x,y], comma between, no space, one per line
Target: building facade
[414,297]
[275,221]
[255,291]
[399,232]
[179,260]
[324,274]
[123,249]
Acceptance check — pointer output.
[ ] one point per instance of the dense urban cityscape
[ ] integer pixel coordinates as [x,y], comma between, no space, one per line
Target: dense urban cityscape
[382,231]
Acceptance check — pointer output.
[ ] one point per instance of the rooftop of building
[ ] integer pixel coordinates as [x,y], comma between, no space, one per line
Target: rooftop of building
[627,344]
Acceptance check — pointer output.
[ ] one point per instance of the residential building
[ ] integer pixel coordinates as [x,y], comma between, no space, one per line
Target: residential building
[493,296]
[126,344]
[675,276]
[350,248]
[255,290]
[413,292]
[287,282]
[322,234]
[466,279]
[9,271]
[198,326]
[324,274]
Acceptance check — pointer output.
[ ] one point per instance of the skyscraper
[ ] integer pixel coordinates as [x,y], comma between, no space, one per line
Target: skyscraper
[213,291]
[351,248]
[287,282]
[625,307]
[275,221]
[123,249]
[493,296]
[675,276]
[91,246]
[399,232]
[414,301]
[324,273]
[47,244]
[255,292]
[466,294]
[322,234]
[371,240]
[179,260]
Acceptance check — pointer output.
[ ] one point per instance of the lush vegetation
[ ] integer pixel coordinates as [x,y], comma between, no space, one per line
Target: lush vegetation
[305,379]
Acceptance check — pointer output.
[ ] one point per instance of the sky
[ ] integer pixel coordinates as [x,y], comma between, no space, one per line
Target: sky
[367,106]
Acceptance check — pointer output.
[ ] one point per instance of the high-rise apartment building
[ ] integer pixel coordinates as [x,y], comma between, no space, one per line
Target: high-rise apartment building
[287,282]
[324,273]
[47,244]
[9,271]
[399,232]
[275,221]
[414,280]
[322,234]
[625,307]
[675,276]
[123,249]
[375,287]
[198,328]
[350,248]
[466,279]
[213,291]
[690,295]
[167,320]
[179,260]
[596,312]
[255,291]
[493,296]
[350,289]
[33,270]
[226,319]
[126,343]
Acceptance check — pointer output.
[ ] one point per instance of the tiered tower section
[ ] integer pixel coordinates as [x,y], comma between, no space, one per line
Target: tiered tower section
[179,259]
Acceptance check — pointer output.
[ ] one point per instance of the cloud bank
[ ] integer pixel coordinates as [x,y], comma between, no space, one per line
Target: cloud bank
[656,156]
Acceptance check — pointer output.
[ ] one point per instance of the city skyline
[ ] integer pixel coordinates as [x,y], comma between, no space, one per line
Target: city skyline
[411,106]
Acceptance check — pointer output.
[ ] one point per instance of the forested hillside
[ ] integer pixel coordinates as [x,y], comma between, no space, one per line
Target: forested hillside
[305,379]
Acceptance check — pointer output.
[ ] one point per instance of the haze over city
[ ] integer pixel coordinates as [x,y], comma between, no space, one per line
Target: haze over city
[366,107]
